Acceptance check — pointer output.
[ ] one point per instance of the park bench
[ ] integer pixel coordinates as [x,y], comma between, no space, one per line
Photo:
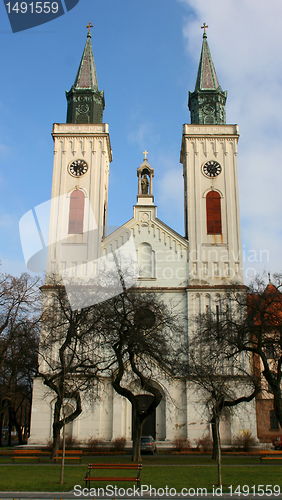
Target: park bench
[30,454]
[270,455]
[69,455]
[132,467]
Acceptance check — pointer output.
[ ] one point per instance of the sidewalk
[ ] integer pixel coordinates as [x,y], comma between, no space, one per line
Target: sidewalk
[26,495]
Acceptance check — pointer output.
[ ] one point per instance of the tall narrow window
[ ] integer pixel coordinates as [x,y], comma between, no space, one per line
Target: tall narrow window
[76,212]
[213,213]
[145,260]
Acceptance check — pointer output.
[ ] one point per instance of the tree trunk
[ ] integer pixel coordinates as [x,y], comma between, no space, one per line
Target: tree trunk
[214,439]
[137,432]
[10,428]
[1,427]
[218,453]
[19,431]
[63,452]
[277,404]
[56,429]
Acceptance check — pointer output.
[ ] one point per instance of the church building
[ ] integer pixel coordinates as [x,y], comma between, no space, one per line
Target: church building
[195,269]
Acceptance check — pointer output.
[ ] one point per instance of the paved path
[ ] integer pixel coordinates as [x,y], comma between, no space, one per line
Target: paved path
[20,495]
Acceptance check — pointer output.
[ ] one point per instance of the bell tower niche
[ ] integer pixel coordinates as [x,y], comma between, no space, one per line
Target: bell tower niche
[145,174]
[211,197]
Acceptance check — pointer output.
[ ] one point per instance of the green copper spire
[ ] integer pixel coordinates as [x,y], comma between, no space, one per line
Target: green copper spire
[85,102]
[207,102]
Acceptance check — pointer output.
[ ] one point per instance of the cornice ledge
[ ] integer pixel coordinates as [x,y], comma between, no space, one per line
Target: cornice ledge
[211,130]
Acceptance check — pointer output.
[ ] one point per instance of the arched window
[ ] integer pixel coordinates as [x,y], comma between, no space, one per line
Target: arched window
[213,213]
[76,212]
[145,260]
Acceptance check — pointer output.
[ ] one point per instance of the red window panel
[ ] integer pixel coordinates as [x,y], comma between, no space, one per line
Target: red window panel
[213,213]
[76,212]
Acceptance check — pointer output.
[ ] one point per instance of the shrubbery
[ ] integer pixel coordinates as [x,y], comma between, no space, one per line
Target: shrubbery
[180,444]
[245,441]
[204,443]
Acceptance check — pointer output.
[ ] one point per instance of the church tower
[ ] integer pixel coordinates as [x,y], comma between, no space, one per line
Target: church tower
[82,154]
[211,198]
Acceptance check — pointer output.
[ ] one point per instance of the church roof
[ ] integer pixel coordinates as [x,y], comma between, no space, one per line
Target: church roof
[86,76]
[206,78]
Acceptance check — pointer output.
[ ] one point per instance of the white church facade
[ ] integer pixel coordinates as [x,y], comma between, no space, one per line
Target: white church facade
[193,270]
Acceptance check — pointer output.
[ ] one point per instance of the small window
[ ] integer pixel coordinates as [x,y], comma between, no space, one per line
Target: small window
[213,213]
[76,212]
[274,424]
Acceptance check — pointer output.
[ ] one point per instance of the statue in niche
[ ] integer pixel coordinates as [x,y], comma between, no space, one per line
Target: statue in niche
[145,184]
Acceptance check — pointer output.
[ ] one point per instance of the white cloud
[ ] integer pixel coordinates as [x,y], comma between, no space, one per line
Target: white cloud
[143,134]
[7,220]
[4,150]
[246,50]
[14,267]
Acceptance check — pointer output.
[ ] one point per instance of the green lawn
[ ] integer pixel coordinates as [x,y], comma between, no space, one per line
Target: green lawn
[160,459]
[158,472]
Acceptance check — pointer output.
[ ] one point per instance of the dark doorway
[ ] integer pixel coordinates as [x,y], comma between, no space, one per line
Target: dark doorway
[149,427]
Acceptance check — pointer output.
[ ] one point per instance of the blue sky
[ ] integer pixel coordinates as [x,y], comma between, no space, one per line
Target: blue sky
[146,54]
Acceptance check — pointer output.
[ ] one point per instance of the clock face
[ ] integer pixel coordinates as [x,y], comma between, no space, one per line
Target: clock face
[212,168]
[78,168]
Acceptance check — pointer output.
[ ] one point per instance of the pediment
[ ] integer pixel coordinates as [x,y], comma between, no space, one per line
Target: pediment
[144,227]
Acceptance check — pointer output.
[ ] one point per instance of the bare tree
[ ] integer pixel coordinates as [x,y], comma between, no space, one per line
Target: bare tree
[123,337]
[260,332]
[19,319]
[19,298]
[224,378]
[18,368]
[138,331]
[69,353]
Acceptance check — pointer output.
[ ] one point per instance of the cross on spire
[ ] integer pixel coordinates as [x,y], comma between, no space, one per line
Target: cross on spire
[204,27]
[145,154]
[89,25]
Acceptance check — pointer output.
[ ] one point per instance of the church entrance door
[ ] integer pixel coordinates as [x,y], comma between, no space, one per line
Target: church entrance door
[149,427]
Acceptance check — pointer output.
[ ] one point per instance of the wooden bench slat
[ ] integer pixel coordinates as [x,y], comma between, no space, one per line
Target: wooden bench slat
[270,455]
[26,454]
[108,478]
[136,467]
[69,455]
[115,467]
[70,452]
